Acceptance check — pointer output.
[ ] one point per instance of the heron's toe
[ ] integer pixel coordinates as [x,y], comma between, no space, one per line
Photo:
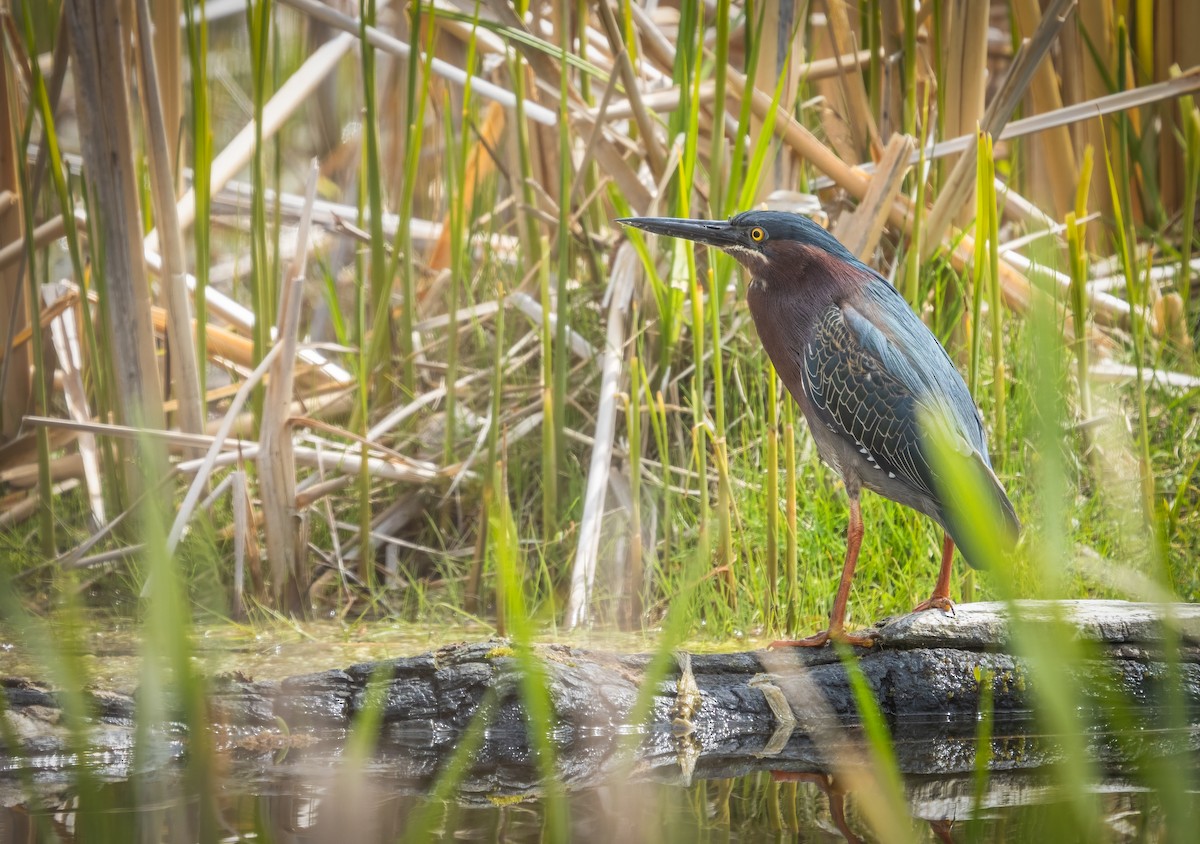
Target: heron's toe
[936,603]
[859,640]
[814,641]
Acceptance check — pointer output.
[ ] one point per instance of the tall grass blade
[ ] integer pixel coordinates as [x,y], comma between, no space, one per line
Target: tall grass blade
[533,680]
[259,15]
[196,33]
[771,609]
[380,349]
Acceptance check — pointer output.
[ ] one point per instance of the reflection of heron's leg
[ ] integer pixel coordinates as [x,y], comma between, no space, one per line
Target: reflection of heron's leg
[942,830]
[829,787]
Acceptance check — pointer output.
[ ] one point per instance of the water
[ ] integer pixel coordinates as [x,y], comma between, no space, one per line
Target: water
[306,800]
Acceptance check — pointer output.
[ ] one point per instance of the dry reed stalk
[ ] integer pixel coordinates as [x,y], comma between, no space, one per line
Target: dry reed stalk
[858,109]
[472,313]
[894,93]
[15,393]
[160,156]
[532,309]
[221,342]
[214,395]
[336,402]
[1170,153]
[70,359]
[69,558]
[1057,162]
[47,315]
[25,475]
[1107,309]
[603,147]
[335,216]
[306,496]
[110,556]
[43,235]
[660,102]
[626,266]
[588,123]
[956,191]
[1157,273]
[276,468]
[768,68]
[1016,207]
[964,69]
[647,128]
[167,50]
[1083,80]
[23,449]
[330,458]
[11,226]
[223,345]
[205,466]
[1114,372]
[245,543]
[860,230]
[1076,113]
[18,511]
[65,430]
[97,51]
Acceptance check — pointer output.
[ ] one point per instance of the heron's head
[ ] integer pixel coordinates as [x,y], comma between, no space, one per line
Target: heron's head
[769,244]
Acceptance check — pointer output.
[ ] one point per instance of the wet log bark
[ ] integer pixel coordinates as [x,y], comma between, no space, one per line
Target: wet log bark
[713,715]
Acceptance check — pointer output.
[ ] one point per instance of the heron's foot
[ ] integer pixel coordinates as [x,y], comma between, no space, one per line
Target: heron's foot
[936,603]
[861,640]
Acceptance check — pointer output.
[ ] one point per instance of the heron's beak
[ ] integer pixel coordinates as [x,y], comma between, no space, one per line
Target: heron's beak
[713,232]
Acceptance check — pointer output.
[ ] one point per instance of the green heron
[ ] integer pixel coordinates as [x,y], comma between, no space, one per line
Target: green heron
[863,369]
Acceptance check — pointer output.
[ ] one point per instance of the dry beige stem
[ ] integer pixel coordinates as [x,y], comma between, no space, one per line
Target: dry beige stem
[276,465]
[184,372]
[626,266]
[860,231]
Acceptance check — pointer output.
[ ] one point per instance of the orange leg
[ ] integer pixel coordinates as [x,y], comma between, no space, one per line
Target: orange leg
[836,631]
[940,599]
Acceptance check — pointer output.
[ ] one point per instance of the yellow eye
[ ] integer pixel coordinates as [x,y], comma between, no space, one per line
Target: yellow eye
[757,235]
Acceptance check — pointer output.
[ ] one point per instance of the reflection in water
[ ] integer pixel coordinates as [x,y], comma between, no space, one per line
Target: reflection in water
[308,799]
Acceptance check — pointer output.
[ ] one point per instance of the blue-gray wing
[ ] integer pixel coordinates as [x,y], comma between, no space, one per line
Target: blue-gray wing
[888,329]
[861,392]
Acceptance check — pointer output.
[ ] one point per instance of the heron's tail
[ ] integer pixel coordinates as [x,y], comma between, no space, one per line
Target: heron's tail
[988,530]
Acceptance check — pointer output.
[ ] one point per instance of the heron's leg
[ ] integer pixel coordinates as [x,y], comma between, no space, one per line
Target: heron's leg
[837,618]
[854,537]
[940,599]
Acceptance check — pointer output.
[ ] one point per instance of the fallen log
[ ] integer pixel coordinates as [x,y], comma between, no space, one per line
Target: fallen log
[714,715]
